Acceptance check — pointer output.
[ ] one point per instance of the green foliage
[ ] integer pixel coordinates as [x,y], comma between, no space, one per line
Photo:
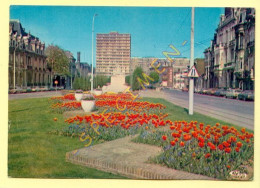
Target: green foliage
[127,79]
[82,83]
[100,81]
[154,76]
[85,84]
[137,73]
[57,60]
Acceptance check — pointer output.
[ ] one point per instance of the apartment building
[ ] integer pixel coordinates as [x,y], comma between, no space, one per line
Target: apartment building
[113,54]
[27,62]
[229,61]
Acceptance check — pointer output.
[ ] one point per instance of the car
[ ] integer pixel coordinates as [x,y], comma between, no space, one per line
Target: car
[202,91]
[246,95]
[211,91]
[185,89]
[232,93]
[220,92]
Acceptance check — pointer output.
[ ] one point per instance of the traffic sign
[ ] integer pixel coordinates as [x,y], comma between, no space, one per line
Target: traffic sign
[193,72]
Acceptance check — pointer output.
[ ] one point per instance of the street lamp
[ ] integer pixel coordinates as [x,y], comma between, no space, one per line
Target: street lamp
[92,52]
[14,66]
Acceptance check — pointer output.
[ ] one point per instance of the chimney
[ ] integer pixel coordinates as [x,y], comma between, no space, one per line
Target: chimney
[78,57]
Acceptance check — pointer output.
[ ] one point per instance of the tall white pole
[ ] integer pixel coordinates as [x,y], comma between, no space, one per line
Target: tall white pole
[14,68]
[191,82]
[92,53]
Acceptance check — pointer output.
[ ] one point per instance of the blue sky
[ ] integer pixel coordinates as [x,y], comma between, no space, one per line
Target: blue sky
[152,29]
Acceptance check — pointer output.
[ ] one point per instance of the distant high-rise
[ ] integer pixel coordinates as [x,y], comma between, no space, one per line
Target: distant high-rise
[113,52]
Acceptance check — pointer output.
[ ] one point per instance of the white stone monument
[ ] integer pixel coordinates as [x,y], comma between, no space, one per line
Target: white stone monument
[117,82]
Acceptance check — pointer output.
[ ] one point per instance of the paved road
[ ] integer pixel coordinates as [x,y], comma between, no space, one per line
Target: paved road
[238,112]
[34,95]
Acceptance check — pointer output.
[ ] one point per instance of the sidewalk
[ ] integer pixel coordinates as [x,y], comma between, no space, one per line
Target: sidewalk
[129,159]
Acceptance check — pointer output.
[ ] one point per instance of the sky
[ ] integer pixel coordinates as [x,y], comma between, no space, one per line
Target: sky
[152,29]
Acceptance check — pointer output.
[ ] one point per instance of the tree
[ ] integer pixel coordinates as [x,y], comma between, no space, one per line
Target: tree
[154,76]
[100,81]
[127,79]
[84,83]
[57,61]
[137,74]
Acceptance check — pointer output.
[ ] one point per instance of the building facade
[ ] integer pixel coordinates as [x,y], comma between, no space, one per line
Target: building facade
[229,61]
[199,64]
[113,53]
[143,62]
[175,71]
[27,61]
[83,69]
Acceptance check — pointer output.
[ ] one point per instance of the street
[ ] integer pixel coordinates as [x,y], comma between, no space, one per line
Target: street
[34,95]
[238,112]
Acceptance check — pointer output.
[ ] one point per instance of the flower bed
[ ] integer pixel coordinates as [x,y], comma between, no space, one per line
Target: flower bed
[122,96]
[68,97]
[110,126]
[209,150]
[131,106]
[65,106]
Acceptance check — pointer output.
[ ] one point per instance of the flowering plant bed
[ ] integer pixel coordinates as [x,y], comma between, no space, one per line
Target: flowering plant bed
[65,106]
[122,96]
[131,106]
[110,126]
[214,151]
[68,97]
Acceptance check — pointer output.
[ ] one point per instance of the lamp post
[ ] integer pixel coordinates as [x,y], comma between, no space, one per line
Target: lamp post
[92,52]
[191,82]
[14,65]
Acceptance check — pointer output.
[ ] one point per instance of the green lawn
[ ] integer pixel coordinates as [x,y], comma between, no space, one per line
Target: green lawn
[32,153]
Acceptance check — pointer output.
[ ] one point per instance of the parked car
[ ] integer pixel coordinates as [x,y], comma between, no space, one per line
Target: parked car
[232,93]
[246,95]
[220,92]
[211,91]
[202,91]
[185,89]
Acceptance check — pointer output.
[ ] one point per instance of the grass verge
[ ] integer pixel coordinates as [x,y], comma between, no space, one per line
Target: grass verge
[32,153]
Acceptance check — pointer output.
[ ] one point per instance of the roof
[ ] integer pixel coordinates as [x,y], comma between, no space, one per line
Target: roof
[17,28]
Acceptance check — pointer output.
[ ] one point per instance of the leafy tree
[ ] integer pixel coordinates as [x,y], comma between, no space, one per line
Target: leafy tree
[100,81]
[137,73]
[57,61]
[84,83]
[76,83]
[154,76]
[127,79]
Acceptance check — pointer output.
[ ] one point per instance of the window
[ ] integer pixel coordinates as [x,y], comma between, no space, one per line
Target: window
[241,42]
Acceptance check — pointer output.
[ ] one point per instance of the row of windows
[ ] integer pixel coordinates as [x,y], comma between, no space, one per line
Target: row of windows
[124,37]
[112,41]
[113,57]
[119,54]
[30,47]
